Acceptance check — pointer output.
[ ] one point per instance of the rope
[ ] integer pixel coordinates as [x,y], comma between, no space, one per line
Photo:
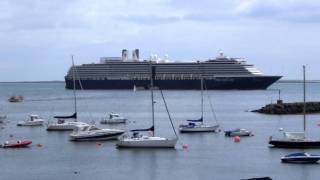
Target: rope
[164,101]
[81,88]
[211,106]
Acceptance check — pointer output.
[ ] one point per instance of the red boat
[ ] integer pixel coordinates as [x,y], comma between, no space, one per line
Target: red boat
[17,144]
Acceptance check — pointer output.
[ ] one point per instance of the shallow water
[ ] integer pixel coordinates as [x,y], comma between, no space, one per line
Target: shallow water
[208,156]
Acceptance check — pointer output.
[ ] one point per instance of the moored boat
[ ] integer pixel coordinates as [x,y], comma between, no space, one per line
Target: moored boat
[34,120]
[193,127]
[93,133]
[238,132]
[113,118]
[62,124]
[296,139]
[16,144]
[142,141]
[197,125]
[150,141]
[300,157]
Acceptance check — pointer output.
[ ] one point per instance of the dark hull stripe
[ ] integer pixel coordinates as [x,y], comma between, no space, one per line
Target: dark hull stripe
[284,144]
[299,160]
[97,137]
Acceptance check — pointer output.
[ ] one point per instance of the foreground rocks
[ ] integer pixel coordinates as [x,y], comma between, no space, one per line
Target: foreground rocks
[289,108]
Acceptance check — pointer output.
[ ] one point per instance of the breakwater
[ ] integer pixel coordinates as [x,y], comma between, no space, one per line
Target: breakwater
[289,108]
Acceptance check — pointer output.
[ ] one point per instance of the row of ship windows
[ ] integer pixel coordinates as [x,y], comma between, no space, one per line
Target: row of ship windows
[160,70]
[159,73]
[162,64]
[162,67]
[166,76]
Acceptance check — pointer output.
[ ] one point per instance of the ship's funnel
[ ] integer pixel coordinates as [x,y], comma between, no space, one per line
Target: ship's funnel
[135,55]
[125,55]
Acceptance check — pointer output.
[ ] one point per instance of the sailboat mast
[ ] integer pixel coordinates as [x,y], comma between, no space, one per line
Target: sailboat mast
[74,86]
[152,74]
[202,99]
[304,98]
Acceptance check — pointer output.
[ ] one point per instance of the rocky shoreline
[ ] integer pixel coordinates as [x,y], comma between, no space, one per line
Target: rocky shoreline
[289,108]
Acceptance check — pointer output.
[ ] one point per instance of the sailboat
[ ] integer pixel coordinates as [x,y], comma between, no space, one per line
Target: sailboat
[62,124]
[297,139]
[150,141]
[198,125]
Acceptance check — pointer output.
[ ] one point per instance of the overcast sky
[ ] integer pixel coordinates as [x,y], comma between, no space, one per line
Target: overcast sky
[38,36]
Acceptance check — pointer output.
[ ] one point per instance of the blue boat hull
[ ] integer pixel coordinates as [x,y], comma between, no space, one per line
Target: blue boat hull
[241,83]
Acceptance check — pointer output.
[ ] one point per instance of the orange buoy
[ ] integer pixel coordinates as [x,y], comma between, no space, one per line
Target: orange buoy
[237,139]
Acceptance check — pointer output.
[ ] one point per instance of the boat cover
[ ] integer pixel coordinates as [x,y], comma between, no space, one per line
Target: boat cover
[149,129]
[197,120]
[74,116]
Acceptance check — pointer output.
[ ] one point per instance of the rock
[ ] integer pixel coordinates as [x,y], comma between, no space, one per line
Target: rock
[289,108]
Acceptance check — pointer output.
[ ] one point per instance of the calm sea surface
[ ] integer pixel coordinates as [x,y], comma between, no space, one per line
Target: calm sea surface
[208,156]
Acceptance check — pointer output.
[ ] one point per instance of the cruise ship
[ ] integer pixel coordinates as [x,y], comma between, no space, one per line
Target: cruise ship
[133,73]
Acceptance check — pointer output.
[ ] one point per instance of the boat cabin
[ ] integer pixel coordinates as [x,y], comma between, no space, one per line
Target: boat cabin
[113,115]
[34,117]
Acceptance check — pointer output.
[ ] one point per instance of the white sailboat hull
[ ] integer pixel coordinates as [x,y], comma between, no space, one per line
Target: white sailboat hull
[66,126]
[199,128]
[147,142]
[113,121]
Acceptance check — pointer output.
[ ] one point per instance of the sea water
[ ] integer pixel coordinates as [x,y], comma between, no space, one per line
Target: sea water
[205,156]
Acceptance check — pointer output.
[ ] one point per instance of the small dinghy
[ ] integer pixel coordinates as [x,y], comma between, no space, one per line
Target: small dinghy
[301,157]
[16,144]
[113,118]
[238,132]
